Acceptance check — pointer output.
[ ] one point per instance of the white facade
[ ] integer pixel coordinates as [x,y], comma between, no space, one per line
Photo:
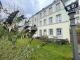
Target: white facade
[52,21]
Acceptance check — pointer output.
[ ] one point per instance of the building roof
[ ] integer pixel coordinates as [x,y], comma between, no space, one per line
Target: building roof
[44,8]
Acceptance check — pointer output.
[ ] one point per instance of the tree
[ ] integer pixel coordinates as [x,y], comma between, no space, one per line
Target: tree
[12,28]
[20,18]
[1,5]
[10,18]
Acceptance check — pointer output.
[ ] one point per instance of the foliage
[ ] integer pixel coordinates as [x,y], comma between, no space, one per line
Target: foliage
[34,51]
[78,30]
[9,35]
[15,46]
[18,19]
[26,51]
[10,18]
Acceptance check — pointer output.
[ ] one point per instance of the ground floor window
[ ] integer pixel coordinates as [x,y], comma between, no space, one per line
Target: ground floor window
[45,32]
[40,32]
[59,31]
[50,31]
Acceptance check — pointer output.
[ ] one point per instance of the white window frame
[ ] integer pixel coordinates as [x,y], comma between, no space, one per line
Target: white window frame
[45,32]
[45,22]
[40,23]
[40,15]
[50,10]
[50,20]
[40,32]
[59,31]
[58,18]
[44,12]
[58,6]
[50,31]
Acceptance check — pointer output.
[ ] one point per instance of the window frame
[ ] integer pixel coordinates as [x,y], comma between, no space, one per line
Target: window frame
[50,31]
[44,12]
[58,18]
[50,9]
[45,22]
[50,20]
[40,23]
[45,32]
[40,32]
[59,31]
[58,6]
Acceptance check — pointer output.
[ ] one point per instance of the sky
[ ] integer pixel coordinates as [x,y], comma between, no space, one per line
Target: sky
[27,7]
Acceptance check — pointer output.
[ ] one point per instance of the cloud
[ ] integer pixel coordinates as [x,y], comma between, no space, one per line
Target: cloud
[43,3]
[28,7]
[69,2]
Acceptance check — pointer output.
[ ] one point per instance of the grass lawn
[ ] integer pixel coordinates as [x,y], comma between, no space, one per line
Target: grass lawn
[48,52]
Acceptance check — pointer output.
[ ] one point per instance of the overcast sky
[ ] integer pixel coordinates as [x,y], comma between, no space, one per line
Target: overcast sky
[28,7]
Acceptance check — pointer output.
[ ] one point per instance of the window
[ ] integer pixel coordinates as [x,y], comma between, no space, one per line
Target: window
[35,19]
[45,32]
[40,23]
[44,12]
[59,31]
[50,10]
[50,21]
[45,22]
[58,18]
[58,6]
[40,32]
[40,15]
[50,31]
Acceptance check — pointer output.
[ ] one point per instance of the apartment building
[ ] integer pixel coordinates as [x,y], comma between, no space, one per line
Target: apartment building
[52,21]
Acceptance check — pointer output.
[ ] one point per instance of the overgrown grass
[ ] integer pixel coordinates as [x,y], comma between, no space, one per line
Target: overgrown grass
[50,51]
